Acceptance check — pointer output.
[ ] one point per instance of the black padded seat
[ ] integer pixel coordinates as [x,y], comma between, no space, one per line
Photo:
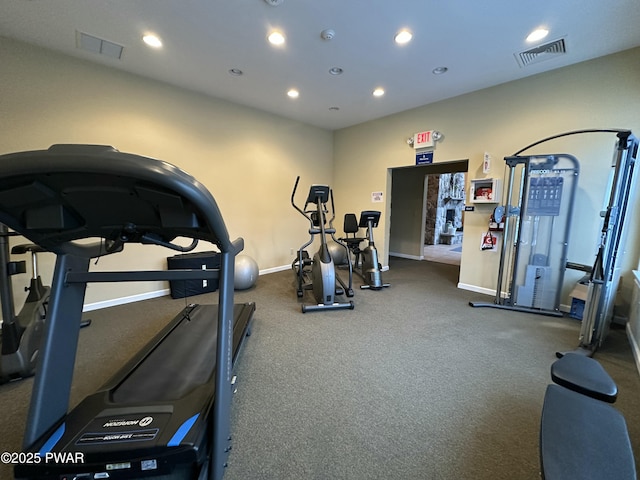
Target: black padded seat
[584,375]
[27,247]
[582,438]
[350,226]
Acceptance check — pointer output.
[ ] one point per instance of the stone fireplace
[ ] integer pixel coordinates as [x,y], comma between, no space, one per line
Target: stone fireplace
[445,202]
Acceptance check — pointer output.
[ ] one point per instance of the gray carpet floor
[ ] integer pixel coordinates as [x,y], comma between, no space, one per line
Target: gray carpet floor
[412,384]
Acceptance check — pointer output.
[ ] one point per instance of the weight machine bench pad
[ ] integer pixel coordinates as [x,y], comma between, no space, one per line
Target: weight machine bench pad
[584,375]
[582,438]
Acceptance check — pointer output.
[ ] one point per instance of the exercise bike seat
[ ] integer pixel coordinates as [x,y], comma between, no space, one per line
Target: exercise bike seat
[584,375]
[26,247]
[350,226]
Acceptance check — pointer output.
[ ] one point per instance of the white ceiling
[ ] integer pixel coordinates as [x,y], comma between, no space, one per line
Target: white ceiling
[477,40]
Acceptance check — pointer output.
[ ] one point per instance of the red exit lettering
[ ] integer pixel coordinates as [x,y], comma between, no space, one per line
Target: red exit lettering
[424,137]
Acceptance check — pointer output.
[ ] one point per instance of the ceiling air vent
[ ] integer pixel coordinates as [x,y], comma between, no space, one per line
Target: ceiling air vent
[97,45]
[542,52]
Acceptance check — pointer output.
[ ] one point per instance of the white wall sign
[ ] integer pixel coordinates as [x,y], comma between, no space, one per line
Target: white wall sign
[376,197]
[486,163]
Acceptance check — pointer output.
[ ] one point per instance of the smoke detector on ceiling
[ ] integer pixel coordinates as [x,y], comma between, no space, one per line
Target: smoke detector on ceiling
[327,34]
[542,52]
[274,3]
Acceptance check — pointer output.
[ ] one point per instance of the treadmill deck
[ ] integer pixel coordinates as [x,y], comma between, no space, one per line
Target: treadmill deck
[153,415]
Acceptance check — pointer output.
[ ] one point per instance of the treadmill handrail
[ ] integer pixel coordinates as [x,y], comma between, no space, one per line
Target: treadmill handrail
[129,197]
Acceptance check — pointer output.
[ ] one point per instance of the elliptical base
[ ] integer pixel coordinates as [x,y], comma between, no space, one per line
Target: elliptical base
[328,306]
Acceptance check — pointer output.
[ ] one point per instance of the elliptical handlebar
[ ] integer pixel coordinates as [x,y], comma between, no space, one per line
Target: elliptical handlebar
[318,197]
[293,203]
[333,210]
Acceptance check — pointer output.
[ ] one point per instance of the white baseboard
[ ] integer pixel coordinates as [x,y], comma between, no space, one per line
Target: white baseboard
[476,289]
[88,307]
[404,255]
[281,268]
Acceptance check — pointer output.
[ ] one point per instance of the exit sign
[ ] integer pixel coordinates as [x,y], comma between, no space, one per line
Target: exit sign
[423,139]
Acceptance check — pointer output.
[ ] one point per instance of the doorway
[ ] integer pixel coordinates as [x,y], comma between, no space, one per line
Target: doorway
[423,199]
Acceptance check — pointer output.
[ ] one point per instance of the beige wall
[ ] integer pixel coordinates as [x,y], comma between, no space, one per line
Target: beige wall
[602,93]
[248,159]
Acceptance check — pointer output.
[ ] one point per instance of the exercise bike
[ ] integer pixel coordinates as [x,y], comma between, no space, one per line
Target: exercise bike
[366,260]
[319,273]
[21,334]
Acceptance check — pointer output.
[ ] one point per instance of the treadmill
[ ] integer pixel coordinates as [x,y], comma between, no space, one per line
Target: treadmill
[166,413]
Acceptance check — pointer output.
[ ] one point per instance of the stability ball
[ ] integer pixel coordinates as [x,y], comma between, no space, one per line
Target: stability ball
[338,253]
[246,272]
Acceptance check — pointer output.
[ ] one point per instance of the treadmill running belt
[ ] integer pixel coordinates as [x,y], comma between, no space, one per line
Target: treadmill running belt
[184,359]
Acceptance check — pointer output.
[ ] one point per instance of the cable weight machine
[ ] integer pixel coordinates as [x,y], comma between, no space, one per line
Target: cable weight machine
[536,233]
[519,260]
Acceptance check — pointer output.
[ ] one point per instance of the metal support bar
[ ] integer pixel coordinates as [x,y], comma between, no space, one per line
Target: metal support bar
[52,384]
[221,434]
[142,276]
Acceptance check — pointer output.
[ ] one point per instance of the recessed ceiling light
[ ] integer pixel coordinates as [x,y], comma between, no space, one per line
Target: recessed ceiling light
[293,93]
[537,34]
[335,71]
[276,38]
[439,70]
[236,72]
[403,36]
[152,40]
[378,92]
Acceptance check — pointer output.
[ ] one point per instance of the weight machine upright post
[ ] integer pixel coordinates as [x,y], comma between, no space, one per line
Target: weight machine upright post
[498,299]
[603,277]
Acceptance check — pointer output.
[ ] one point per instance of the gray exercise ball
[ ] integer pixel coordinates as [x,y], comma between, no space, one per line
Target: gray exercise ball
[246,272]
[338,253]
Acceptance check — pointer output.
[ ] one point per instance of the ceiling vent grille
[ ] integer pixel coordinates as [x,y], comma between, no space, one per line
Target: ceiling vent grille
[542,53]
[97,45]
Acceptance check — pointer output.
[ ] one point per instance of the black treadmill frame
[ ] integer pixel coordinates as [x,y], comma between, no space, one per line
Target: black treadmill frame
[45,196]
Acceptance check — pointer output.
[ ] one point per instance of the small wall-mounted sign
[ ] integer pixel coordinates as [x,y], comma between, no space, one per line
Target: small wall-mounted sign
[469,208]
[489,242]
[423,158]
[486,162]
[377,197]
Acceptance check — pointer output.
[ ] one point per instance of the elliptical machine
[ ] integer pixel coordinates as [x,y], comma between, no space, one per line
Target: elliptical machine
[319,273]
[21,333]
[366,260]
